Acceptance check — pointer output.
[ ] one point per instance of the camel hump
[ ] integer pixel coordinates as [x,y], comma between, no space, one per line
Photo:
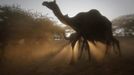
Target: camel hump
[86,18]
[92,22]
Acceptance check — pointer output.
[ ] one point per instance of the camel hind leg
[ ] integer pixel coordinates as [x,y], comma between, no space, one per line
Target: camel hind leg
[108,46]
[117,44]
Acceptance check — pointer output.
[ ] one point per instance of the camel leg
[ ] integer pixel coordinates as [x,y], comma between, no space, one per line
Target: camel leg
[114,48]
[81,48]
[73,43]
[107,48]
[88,49]
[116,42]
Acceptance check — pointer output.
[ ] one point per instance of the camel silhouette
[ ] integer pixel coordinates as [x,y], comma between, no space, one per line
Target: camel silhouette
[89,26]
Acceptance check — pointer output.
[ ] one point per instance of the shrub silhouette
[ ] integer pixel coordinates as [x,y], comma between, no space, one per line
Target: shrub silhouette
[16,24]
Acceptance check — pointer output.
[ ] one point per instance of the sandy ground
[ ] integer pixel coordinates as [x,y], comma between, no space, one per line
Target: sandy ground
[46,59]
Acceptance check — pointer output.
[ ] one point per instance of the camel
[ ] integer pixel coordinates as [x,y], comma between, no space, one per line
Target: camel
[90,26]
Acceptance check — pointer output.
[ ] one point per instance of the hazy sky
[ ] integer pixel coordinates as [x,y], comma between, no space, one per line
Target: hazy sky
[109,8]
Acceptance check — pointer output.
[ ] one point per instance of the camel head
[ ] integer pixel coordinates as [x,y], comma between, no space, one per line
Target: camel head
[50,5]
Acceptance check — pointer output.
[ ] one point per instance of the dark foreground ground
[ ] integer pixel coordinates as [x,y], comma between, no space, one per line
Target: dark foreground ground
[27,62]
